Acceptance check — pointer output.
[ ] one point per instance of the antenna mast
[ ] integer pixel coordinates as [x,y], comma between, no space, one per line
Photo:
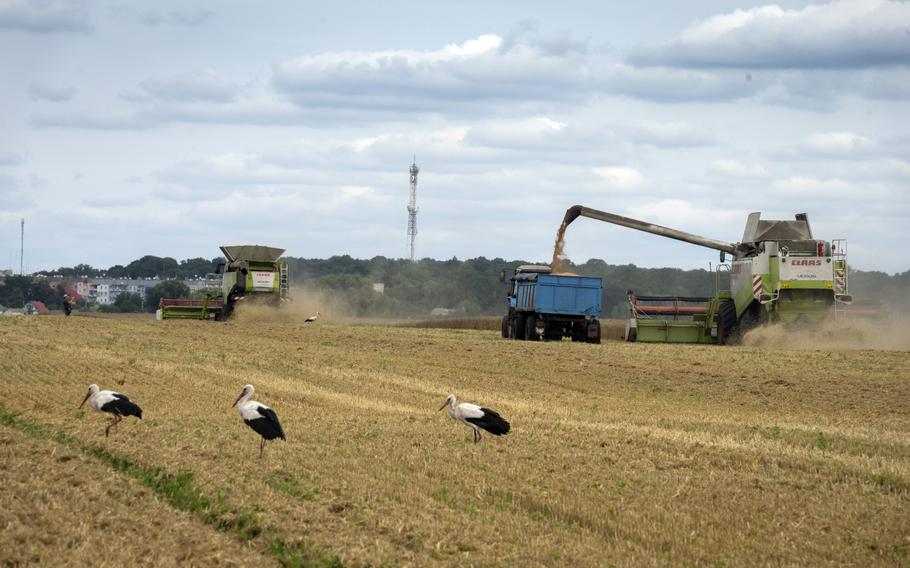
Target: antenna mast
[412,209]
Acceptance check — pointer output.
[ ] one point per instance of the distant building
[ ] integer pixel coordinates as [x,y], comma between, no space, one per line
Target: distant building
[84,288]
[379,287]
[105,290]
[198,284]
[36,308]
[72,293]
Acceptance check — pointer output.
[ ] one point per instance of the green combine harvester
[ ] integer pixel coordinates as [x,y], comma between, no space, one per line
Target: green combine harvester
[250,273]
[779,273]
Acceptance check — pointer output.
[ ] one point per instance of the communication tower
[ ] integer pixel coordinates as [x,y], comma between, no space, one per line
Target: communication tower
[412,209]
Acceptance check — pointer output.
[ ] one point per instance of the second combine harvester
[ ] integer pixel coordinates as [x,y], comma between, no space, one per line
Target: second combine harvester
[251,272]
[779,273]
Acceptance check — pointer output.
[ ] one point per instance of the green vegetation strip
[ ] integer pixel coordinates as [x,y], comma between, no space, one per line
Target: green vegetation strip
[178,490]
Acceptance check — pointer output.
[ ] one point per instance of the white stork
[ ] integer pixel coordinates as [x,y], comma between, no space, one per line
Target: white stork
[114,403]
[311,319]
[259,417]
[476,417]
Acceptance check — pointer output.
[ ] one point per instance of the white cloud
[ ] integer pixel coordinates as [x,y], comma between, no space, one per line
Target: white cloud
[206,86]
[736,168]
[90,119]
[232,169]
[691,216]
[13,197]
[469,75]
[840,34]
[149,114]
[539,132]
[670,135]
[9,158]
[41,91]
[43,16]
[813,186]
[620,177]
[836,144]
[187,17]
[897,168]
[666,84]
[488,75]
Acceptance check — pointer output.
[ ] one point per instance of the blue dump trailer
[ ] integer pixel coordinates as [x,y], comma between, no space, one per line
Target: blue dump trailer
[551,306]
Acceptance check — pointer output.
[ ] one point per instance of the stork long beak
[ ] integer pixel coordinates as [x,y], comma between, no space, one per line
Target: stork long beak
[88,394]
[444,404]
[238,400]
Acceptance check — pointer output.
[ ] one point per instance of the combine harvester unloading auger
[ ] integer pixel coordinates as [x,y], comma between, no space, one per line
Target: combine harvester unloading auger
[251,273]
[779,273]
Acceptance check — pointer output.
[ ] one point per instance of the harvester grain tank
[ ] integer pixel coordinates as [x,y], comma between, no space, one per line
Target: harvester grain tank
[250,273]
[779,273]
[551,306]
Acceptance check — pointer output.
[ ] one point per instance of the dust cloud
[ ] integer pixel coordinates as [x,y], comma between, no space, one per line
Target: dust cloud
[838,335]
[304,302]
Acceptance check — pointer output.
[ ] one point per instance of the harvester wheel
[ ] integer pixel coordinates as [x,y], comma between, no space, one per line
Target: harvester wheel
[726,323]
[753,317]
[505,326]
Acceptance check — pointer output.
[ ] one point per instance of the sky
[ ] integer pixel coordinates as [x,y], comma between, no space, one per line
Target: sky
[170,128]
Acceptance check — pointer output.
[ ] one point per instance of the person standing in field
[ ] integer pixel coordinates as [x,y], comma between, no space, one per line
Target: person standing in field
[67,305]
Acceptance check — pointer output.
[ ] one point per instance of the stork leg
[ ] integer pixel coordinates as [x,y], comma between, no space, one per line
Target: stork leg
[114,422]
[476,435]
[261,447]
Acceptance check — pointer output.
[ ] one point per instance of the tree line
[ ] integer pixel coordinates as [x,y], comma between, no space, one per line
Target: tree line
[470,287]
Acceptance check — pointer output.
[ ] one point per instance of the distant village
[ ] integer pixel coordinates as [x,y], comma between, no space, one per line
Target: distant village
[96,291]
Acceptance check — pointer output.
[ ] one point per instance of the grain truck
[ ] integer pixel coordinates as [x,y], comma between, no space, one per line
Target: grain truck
[551,306]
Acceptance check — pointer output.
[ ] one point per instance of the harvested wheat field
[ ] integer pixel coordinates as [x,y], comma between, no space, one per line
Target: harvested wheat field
[623,454]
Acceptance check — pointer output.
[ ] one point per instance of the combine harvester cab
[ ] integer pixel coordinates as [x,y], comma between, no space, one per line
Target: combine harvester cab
[250,273]
[779,273]
[552,306]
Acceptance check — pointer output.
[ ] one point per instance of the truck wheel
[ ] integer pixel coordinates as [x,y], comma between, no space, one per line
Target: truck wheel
[579,332]
[530,332]
[519,327]
[554,332]
[594,332]
[505,327]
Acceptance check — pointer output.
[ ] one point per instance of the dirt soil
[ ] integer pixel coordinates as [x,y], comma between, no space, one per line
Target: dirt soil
[621,453]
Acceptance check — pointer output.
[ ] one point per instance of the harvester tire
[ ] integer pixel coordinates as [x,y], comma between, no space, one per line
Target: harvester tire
[753,317]
[727,330]
[225,312]
[505,327]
